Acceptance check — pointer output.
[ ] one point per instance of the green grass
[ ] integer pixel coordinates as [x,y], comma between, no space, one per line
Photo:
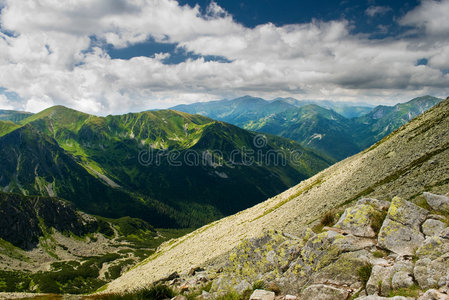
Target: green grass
[364,273]
[412,291]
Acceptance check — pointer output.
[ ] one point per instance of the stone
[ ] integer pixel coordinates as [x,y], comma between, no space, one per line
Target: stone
[430,273]
[343,271]
[379,281]
[433,227]
[290,297]
[434,295]
[373,297]
[406,213]
[433,247]
[262,295]
[437,202]
[358,220]
[324,292]
[193,271]
[379,204]
[399,238]
[401,279]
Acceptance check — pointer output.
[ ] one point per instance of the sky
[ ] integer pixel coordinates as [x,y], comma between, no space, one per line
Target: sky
[116,56]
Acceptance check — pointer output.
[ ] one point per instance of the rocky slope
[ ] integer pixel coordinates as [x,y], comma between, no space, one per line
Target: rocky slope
[376,248]
[412,160]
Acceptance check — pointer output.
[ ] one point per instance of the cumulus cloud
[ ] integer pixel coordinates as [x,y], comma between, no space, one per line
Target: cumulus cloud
[48,56]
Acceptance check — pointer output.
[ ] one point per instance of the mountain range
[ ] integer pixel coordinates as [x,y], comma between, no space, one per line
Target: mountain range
[169,168]
[336,130]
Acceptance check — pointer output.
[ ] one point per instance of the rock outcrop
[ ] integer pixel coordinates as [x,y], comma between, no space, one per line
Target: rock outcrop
[376,250]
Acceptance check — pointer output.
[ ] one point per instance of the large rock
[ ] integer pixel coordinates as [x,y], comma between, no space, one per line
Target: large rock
[437,202]
[262,295]
[324,292]
[434,295]
[433,227]
[373,297]
[379,282]
[399,238]
[431,273]
[360,220]
[344,271]
[400,231]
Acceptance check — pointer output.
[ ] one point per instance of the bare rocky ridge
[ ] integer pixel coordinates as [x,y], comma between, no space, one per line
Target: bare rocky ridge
[412,160]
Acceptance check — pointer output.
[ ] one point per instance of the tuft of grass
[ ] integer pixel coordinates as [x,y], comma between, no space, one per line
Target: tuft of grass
[259,285]
[412,291]
[364,273]
[378,254]
[378,220]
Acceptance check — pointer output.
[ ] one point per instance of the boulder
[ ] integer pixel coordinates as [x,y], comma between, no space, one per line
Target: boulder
[379,204]
[437,202]
[262,295]
[324,292]
[434,295]
[433,227]
[344,271]
[358,220]
[379,282]
[401,279]
[431,273]
[399,238]
[400,231]
[373,297]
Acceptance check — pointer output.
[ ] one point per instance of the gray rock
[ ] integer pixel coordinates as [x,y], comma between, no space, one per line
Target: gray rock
[401,279]
[324,292]
[434,295]
[380,280]
[358,220]
[343,271]
[437,202]
[400,231]
[262,295]
[399,238]
[430,273]
[379,204]
[406,213]
[373,297]
[433,247]
[433,227]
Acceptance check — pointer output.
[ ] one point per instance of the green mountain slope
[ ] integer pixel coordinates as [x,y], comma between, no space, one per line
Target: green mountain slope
[383,120]
[13,115]
[169,168]
[312,126]
[318,126]
[34,164]
[408,162]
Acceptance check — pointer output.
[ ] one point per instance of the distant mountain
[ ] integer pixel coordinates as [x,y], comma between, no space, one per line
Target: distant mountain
[169,168]
[312,126]
[13,115]
[319,126]
[383,120]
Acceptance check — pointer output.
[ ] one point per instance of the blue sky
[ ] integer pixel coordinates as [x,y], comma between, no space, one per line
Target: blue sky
[115,56]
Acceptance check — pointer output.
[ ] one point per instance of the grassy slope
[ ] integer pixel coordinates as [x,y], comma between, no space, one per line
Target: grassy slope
[13,115]
[411,160]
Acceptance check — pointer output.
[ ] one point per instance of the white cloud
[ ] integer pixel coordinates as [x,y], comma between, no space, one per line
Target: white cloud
[49,59]
[377,10]
[430,16]
[5,103]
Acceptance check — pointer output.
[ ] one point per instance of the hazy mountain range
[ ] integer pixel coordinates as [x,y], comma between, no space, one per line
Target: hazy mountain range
[335,129]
